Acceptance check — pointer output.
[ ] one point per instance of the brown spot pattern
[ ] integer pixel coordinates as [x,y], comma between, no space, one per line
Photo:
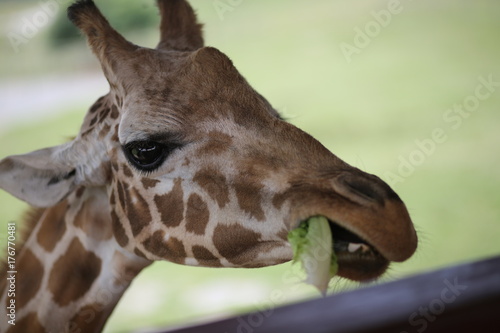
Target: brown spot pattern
[29,323]
[139,253]
[87,132]
[138,213]
[126,171]
[96,106]
[149,183]
[114,138]
[197,215]
[103,114]
[215,184]
[171,250]
[114,112]
[283,233]
[93,121]
[121,194]
[73,273]
[104,131]
[79,191]
[249,199]
[118,230]
[29,278]
[234,241]
[52,227]
[171,205]
[280,198]
[201,253]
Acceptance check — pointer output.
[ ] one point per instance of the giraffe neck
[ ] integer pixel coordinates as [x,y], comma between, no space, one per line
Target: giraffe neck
[71,272]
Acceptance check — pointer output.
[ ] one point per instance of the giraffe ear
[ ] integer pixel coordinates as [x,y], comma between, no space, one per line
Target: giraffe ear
[112,49]
[41,178]
[179,29]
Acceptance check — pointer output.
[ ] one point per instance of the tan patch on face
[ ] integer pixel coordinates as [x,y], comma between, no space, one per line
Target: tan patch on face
[217,143]
[29,323]
[171,249]
[215,184]
[171,205]
[234,242]
[249,199]
[90,318]
[149,183]
[118,230]
[52,227]
[92,222]
[197,215]
[202,254]
[27,284]
[73,274]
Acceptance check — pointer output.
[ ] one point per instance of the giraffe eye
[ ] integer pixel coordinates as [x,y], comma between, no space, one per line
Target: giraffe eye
[147,155]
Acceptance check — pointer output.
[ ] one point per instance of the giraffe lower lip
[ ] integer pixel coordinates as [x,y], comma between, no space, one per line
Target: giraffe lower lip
[361,267]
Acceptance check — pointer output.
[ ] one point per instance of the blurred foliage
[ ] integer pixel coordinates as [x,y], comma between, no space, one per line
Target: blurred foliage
[130,15]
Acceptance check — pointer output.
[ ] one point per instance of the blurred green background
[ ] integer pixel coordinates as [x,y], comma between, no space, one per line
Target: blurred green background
[405,75]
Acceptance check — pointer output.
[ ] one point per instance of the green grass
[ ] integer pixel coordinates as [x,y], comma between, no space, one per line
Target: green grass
[369,112]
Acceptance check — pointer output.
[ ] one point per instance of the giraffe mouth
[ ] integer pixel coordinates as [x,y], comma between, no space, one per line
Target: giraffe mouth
[358,260]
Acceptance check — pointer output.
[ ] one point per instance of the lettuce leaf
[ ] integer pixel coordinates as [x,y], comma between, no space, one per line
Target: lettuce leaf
[312,245]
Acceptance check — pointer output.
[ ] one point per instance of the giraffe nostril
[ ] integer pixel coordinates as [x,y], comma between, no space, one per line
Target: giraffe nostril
[360,188]
[364,188]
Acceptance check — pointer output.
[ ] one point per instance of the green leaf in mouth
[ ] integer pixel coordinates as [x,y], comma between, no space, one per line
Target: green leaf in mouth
[312,245]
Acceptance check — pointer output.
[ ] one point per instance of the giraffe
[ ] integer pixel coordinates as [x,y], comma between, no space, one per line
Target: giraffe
[183,161]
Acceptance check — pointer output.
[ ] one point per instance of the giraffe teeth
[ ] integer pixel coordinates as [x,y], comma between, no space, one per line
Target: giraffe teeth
[353,247]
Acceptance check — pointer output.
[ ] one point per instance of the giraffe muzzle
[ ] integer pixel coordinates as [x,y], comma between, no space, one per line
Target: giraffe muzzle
[370,225]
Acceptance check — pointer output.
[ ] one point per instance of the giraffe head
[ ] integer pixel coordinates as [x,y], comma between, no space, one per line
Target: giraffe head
[199,169]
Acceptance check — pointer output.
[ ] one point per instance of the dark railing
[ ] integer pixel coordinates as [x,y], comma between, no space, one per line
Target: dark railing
[463,298]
